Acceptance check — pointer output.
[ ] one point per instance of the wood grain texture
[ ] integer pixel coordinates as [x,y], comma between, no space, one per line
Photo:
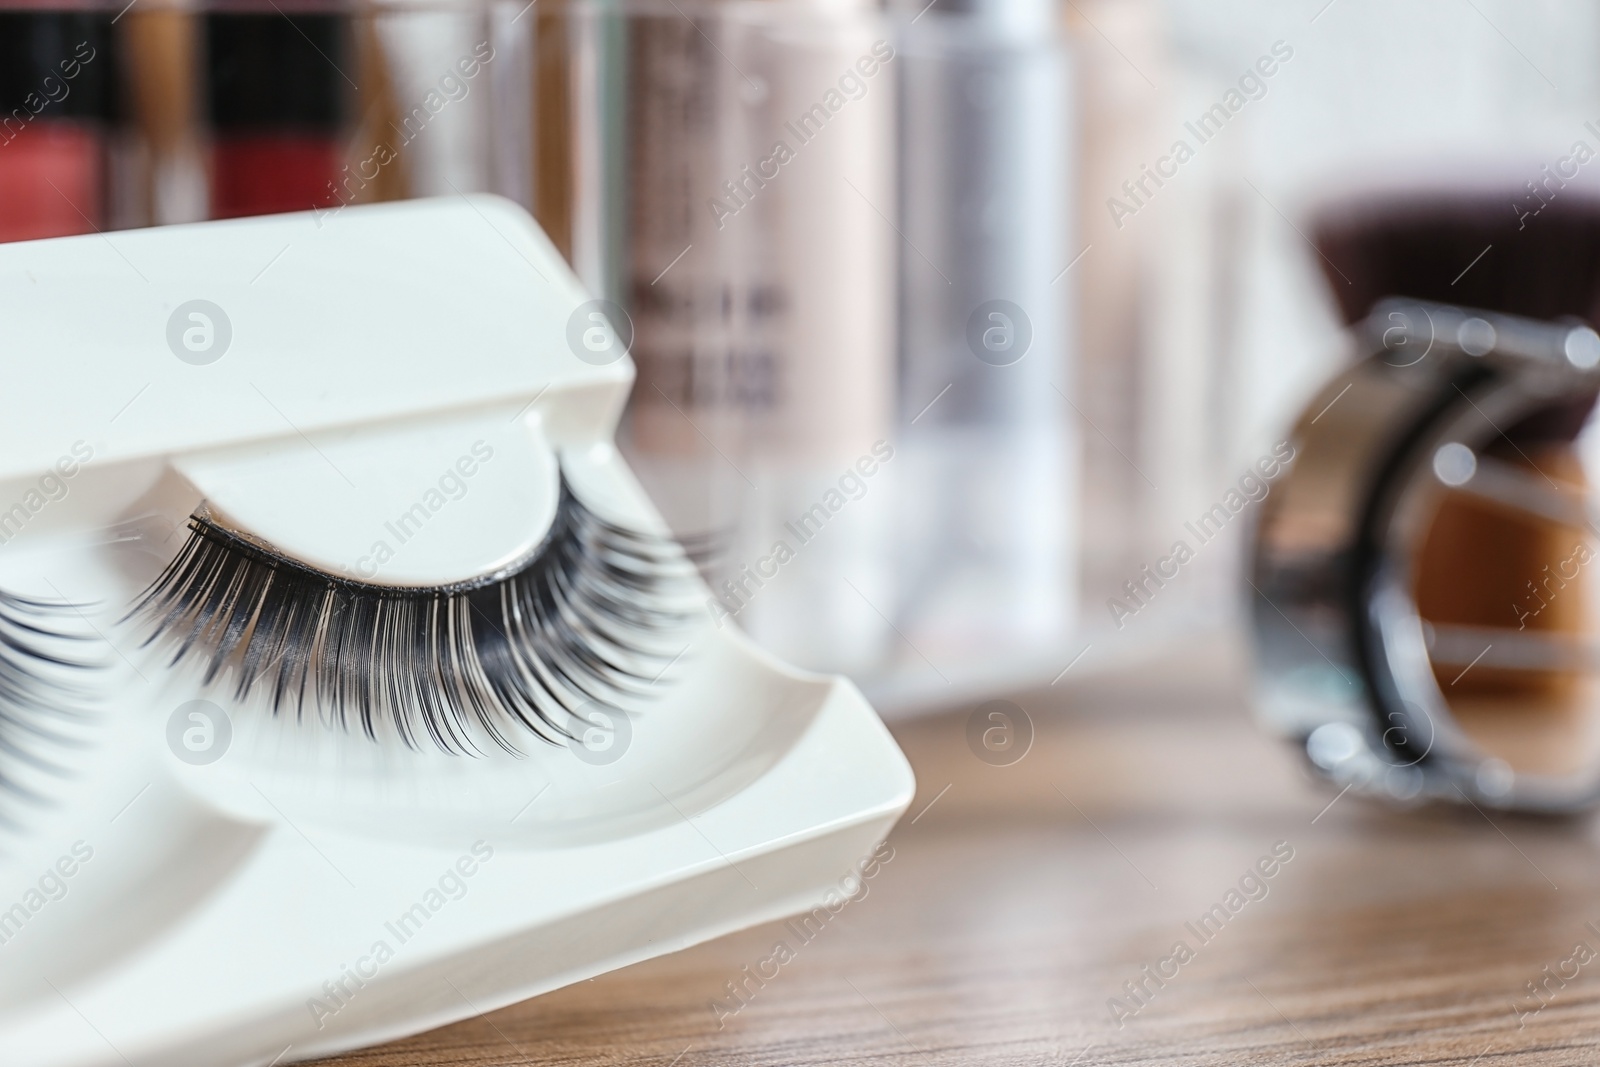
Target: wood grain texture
[1025,896]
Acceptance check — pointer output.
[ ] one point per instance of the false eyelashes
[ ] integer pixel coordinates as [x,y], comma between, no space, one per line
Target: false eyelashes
[36,700]
[582,620]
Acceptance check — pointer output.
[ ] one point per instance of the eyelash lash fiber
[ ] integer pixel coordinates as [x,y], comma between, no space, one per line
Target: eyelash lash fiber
[29,697]
[579,621]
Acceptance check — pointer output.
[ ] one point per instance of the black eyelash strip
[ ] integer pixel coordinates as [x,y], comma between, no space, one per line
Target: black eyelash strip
[34,702]
[581,621]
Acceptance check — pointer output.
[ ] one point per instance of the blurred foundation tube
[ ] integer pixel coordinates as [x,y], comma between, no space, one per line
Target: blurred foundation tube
[554,154]
[161,45]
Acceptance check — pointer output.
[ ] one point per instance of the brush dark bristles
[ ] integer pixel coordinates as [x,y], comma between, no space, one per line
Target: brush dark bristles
[581,621]
[1467,249]
[33,702]
[1502,253]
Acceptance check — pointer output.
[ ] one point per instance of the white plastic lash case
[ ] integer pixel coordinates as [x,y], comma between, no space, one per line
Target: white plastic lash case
[394,395]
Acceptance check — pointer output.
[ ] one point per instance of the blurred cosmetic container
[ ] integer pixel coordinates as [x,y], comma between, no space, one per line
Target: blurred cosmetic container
[986,527]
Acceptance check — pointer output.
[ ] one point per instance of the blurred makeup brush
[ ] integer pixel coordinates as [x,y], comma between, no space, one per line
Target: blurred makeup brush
[1480,564]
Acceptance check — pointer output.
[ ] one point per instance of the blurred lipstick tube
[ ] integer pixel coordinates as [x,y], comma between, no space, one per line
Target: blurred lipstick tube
[56,70]
[276,91]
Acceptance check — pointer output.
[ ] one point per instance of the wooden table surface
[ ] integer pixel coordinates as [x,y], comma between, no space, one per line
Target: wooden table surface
[1020,899]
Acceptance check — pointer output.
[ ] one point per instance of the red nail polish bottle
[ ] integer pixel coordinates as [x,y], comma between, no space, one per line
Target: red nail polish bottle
[55,75]
[277,99]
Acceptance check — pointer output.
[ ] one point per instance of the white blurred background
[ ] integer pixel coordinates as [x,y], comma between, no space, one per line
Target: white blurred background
[956,313]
